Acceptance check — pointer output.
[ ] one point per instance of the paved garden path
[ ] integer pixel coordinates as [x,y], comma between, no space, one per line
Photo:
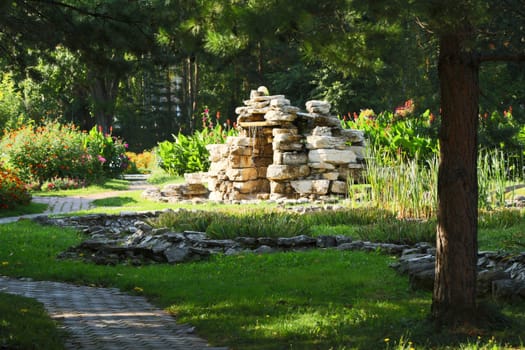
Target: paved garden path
[63,205]
[102,318]
[105,318]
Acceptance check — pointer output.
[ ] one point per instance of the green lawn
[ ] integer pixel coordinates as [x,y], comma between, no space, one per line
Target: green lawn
[321,299]
[310,300]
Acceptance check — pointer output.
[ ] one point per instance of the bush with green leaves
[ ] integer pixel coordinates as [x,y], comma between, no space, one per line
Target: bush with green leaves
[61,151]
[110,151]
[12,190]
[188,154]
[41,153]
[400,132]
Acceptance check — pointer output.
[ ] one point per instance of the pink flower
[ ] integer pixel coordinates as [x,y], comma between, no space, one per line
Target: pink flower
[101,159]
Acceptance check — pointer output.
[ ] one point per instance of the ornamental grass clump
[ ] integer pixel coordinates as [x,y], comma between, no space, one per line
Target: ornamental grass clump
[258,224]
[250,223]
[407,187]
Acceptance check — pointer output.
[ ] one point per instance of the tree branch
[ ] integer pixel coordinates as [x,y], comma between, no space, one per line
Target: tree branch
[87,12]
[502,57]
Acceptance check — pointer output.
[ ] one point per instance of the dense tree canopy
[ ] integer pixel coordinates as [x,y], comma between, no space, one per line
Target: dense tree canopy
[148,68]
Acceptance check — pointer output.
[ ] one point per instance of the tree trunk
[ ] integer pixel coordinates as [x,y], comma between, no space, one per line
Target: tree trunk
[104,90]
[454,298]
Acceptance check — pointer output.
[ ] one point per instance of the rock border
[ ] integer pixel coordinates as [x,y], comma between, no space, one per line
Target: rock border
[127,238]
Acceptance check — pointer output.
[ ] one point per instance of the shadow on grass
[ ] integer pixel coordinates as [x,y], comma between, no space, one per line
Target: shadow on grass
[114,201]
[32,208]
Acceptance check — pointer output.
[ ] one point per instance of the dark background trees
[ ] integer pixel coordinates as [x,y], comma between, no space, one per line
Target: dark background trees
[149,68]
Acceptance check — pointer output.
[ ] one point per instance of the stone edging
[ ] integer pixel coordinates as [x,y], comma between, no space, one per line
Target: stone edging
[128,239]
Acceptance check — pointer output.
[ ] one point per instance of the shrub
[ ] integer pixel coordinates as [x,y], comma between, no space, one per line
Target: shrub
[109,150]
[399,231]
[188,154]
[50,151]
[356,216]
[400,132]
[12,190]
[57,184]
[62,151]
[258,224]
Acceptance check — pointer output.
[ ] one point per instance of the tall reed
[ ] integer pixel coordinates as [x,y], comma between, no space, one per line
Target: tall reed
[408,187]
[405,186]
[492,178]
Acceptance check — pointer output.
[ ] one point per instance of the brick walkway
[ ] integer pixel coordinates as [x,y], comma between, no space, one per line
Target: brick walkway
[105,318]
[101,318]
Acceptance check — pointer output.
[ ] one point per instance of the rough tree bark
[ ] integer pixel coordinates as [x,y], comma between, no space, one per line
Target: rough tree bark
[454,297]
[104,90]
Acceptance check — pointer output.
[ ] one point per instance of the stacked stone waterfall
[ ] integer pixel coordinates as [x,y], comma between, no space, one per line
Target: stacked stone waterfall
[284,153]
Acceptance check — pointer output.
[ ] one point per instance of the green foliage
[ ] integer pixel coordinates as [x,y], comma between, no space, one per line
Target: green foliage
[11,102]
[500,218]
[493,177]
[25,324]
[12,190]
[249,223]
[406,187]
[258,224]
[109,150]
[400,132]
[61,151]
[399,231]
[52,150]
[505,131]
[354,216]
[188,154]
[187,220]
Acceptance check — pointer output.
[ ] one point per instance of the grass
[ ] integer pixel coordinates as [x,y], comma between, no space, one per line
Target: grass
[161,178]
[27,326]
[32,208]
[323,299]
[319,299]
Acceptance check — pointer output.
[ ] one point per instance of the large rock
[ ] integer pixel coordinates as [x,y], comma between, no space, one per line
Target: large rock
[339,187]
[354,136]
[287,142]
[294,158]
[279,102]
[331,156]
[287,172]
[253,186]
[242,174]
[311,186]
[217,152]
[328,142]
[316,106]
[241,162]
[240,141]
[279,116]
